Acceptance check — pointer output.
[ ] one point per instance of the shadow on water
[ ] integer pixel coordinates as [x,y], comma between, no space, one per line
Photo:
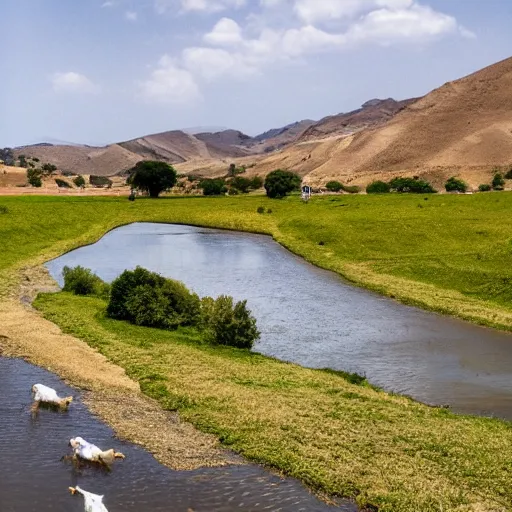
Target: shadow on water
[313,318]
[33,476]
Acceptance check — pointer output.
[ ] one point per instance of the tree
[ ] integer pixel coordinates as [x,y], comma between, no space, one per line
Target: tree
[152,177]
[34,177]
[215,187]
[378,187]
[412,185]
[257,182]
[508,174]
[280,183]
[23,161]
[232,170]
[79,181]
[484,187]
[455,185]
[334,186]
[498,182]
[242,184]
[48,169]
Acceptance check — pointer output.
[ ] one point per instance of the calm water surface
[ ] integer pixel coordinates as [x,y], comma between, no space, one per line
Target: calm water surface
[311,317]
[34,479]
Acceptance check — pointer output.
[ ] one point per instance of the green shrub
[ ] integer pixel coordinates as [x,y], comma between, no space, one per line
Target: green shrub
[62,183]
[241,184]
[411,185]
[498,182]
[260,209]
[34,177]
[378,187]
[227,323]
[3,209]
[48,169]
[351,189]
[508,174]
[81,281]
[280,183]
[148,299]
[334,186]
[484,187]
[100,181]
[453,184]
[213,187]
[233,192]
[79,181]
[257,182]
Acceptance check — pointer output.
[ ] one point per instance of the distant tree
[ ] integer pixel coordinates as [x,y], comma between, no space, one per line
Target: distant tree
[62,183]
[279,183]
[498,182]
[35,159]
[34,177]
[411,185]
[79,182]
[378,187]
[455,185]
[484,187]
[241,184]
[23,161]
[257,182]
[48,169]
[100,181]
[508,174]
[334,186]
[214,187]
[232,170]
[152,177]
[7,156]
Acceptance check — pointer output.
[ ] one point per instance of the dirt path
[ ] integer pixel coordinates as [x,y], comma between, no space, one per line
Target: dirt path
[109,392]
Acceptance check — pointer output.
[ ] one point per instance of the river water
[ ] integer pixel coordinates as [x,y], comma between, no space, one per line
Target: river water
[311,317]
[33,478]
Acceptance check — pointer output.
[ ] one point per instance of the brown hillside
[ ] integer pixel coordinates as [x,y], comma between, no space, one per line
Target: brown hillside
[463,127]
[372,113]
[105,161]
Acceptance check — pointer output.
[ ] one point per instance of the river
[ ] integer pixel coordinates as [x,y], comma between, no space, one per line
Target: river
[312,317]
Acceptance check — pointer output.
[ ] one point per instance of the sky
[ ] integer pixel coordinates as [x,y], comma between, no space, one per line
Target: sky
[102,71]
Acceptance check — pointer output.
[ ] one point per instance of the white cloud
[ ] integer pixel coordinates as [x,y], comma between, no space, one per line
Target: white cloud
[107,4]
[226,32]
[170,84]
[207,6]
[131,15]
[281,31]
[71,82]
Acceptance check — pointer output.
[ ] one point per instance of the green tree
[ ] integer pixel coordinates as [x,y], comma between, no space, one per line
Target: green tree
[152,177]
[241,184]
[508,174]
[34,177]
[48,169]
[23,161]
[79,181]
[498,182]
[213,187]
[279,183]
[81,281]
[378,187]
[257,182]
[455,185]
[334,186]
[484,187]
[411,185]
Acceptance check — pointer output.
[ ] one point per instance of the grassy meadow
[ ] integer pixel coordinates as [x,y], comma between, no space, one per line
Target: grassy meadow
[447,253]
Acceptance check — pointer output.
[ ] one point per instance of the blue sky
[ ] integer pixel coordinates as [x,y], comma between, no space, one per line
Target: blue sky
[100,71]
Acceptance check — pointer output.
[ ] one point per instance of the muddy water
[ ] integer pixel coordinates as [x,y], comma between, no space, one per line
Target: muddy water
[313,318]
[33,478]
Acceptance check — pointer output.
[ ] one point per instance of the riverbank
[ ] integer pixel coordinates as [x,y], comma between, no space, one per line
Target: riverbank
[343,439]
[340,438]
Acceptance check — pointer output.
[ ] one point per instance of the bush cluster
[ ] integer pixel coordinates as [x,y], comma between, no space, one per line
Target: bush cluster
[508,174]
[280,183]
[228,323]
[454,184]
[79,181]
[62,183]
[213,187]
[411,185]
[337,186]
[378,187]
[81,281]
[3,209]
[484,187]
[99,181]
[34,177]
[498,183]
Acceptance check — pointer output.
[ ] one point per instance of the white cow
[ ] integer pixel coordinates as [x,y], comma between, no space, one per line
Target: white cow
[44,394]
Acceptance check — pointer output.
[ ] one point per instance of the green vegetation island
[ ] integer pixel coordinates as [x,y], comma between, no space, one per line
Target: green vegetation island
[334,431]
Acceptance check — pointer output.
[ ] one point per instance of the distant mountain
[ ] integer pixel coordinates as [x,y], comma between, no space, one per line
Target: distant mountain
[372,113]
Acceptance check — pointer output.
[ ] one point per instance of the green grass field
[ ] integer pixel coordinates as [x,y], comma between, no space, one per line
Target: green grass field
[448,253]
